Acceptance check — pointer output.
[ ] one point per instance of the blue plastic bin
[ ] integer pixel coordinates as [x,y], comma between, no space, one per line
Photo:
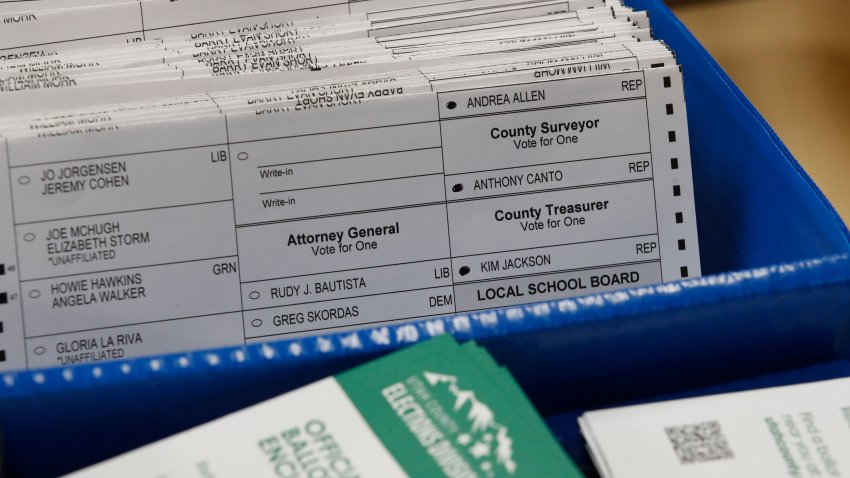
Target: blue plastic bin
[775,296]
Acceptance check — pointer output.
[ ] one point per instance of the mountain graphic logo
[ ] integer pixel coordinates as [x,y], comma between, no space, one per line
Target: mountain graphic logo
[485,440]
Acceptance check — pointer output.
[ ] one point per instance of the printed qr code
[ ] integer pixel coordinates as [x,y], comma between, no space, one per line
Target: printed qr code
[699,443]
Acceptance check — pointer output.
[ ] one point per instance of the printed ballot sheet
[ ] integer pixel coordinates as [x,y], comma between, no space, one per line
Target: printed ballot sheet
[801,431]
[508,159]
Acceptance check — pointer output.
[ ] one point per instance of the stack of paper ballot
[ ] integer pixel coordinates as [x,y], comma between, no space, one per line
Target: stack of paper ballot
[192,174]
[434,410]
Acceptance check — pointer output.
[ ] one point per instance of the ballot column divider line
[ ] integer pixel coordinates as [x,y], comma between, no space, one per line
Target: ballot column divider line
[235,229]
[142,16]
[446,196]
[17,254]
[652,162]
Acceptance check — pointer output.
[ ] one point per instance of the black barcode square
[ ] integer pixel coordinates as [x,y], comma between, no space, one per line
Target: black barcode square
[699,443]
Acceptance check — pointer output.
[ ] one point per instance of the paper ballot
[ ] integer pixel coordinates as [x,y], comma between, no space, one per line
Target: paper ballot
[207,188]
[801,431]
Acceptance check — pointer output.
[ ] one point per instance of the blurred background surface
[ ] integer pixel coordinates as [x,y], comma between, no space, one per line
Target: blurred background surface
[792,60]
